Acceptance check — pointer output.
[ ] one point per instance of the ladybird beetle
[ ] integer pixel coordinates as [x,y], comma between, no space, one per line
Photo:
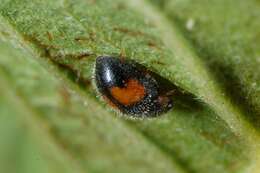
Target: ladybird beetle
[130,88]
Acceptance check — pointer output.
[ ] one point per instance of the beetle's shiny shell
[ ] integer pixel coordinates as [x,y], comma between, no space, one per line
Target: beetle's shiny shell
[129,88]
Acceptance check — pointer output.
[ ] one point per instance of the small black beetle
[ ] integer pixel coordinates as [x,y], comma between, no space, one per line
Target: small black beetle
[130,88]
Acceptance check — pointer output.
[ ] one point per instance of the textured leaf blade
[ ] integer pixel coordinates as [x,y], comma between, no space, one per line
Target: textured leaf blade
[71,36]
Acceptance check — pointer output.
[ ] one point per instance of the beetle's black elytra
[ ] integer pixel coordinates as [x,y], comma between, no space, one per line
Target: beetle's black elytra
[130,88]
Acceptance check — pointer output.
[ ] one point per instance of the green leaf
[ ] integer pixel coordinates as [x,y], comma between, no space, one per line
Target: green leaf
[48,50]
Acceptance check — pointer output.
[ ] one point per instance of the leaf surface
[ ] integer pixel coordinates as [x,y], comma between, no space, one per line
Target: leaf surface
[48,50]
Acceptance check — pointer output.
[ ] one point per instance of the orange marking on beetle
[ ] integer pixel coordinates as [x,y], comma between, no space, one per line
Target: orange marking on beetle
[132,93]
